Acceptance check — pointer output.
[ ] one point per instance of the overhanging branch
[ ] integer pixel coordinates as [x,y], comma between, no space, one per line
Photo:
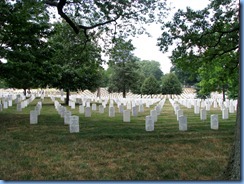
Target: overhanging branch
[60,5]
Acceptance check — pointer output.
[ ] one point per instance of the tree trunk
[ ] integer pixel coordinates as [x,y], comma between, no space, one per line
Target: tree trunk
[67,97]
[24,92]
[223,93]
[232,171]
[99,92]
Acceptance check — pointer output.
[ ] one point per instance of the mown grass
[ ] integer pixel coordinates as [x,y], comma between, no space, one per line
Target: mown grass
[106,148]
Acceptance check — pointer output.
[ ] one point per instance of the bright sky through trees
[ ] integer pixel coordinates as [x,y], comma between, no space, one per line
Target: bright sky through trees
[146,48]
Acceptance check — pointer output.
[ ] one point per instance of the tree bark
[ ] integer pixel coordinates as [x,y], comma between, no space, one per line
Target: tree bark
[24,92]
[223,89]
[67,97]
[99,92]
[233,171]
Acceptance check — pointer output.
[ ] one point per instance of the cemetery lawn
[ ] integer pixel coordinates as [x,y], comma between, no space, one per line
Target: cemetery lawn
[106,148]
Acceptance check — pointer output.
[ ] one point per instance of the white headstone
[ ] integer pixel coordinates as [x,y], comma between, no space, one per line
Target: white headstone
[134,111]
[126,116]
[214,122]
[176,108]
[33,117]
[121,108]
[154,115]
[101,109]
[10,103]
[72,104]
[149,123]
[111,112]
[5,104]
[179,113]
[141,108]
[196,109]
[203,114]
[94,107]
[183,123]
[81,109]
[225,113]
[231,108]
[88,112]
[74,126]
[67,116]
[158,109]
[19,107]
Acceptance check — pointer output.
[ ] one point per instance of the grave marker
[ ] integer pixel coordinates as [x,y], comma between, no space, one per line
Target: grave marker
[111,112]
[183,123]
[74,126]
[203,114]
[179,113]
[154,115]
[81,109]
[149,123]
[67,116]
[101,109]
[33,117]
[214,122]
[88,112]
[126,116]
[225,113]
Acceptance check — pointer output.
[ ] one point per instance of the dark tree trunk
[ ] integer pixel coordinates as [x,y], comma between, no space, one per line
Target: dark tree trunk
[233,169]
[67,97]
[124,93]
[223,93]
[25,92]
[98,92]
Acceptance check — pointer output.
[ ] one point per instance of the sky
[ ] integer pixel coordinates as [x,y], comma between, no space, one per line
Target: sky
[146,48]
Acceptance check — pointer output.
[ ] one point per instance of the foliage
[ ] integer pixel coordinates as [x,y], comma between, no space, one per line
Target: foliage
[171,84]
[113,17]
[73,66]
[184,76]
[124,67]
[207,43]
[24,29]
[148,68]
[150,86]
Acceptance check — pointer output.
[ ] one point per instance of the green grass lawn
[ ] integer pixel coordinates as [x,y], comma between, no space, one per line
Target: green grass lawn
[106,148]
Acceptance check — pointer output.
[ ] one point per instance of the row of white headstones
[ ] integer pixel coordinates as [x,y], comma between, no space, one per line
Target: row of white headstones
[201,107]
[133,107]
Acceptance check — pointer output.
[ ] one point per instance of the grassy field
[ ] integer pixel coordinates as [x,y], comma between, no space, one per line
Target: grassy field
[106,148]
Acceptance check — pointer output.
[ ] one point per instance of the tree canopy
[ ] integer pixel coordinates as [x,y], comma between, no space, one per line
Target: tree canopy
[150,86]
[24,30]
[171,84]
[73,66]
[111,16]
[207,43]
[124,67]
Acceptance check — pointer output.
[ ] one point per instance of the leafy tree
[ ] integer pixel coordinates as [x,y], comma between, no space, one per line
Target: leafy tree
[149,68]
[73,66]
[124,66]
[110,16]
[208,44]
[171,84]
[150,86]
[184,76]
[24,29]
